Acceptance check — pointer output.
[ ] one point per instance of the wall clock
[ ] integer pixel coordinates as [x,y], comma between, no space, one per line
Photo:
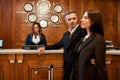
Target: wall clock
[54,18]
[28,7]
[43,6]
[43,23]
[32,17]
[58,8]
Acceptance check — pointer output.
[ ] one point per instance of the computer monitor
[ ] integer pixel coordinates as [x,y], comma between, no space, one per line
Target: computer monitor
[31,47]
[1,44]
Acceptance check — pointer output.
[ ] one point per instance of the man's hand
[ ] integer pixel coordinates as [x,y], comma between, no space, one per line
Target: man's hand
[41,50]
[93,61]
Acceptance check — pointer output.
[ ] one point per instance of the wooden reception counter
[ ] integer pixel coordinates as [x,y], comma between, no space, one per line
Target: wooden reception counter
[19,64]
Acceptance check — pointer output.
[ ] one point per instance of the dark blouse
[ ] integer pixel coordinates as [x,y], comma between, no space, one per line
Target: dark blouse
[30,42]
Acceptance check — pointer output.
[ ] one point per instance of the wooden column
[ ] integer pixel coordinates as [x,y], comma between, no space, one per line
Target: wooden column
[71,4]
[11,58]
[19,67]
[119,23]
[5,22]
[0,18]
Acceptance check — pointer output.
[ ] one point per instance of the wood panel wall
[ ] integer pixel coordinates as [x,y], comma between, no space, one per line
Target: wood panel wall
[0,19]
[119,23]
[14,29]
[5,22]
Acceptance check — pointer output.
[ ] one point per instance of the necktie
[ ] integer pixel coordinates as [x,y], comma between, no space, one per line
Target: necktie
[70,35]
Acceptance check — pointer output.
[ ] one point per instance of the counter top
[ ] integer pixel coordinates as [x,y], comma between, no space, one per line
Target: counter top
[113,52]
[22,51]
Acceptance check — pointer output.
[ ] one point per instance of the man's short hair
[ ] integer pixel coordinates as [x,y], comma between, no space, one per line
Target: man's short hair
[69,12]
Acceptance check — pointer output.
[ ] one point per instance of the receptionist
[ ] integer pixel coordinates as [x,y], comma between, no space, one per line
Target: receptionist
[36,37]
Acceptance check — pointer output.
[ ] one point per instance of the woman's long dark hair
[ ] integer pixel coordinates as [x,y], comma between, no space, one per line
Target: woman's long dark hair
[40,29]
[96,20]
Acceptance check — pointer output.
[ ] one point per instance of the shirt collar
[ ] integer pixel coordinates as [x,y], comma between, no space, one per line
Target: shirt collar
[72,30]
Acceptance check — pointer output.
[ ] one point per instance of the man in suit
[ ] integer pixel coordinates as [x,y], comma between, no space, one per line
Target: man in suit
[68,42]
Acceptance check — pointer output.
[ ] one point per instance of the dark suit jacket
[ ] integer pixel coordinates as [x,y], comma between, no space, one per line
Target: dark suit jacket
[68,45]
[29,40]
[93,47]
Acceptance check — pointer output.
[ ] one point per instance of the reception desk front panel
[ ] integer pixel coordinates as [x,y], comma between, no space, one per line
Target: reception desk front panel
[19,64]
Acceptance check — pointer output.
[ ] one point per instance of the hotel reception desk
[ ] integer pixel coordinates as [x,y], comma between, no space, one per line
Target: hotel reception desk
[19,64]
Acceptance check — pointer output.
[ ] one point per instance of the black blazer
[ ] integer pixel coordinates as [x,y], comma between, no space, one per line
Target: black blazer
[68,45]
[93,47]
[28,40]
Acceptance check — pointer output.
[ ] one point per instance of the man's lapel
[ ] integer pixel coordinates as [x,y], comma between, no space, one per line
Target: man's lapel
[75,34]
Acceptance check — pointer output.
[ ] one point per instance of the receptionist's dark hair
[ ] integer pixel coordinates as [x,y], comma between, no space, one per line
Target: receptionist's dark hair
[40,29]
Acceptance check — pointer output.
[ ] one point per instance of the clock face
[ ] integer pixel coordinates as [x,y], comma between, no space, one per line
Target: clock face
[54,18]
[32,17]
[43,7]
[58,8]
[28,7]
[43,23]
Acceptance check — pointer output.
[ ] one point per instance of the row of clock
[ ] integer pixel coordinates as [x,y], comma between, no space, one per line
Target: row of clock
[43,22]
[29,7]
[32,18]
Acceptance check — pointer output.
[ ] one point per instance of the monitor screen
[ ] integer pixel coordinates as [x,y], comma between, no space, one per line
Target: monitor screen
[1,43]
